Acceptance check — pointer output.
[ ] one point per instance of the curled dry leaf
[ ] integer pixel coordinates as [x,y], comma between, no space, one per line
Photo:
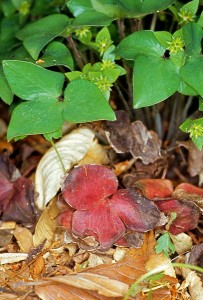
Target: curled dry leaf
[95,207]
[155,188]
[196,255]
[24,238]
[71,148]
[187,214]
[134,137]
[46,225]
[195,158]
[16,194]
[9,258]
[95,282]
[189,192]
[182,242]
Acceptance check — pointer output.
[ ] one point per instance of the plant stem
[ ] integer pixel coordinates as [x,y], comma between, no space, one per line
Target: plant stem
[59,157]
[75,51]
[134,289]
[153,23]
[121,28]
[123,100]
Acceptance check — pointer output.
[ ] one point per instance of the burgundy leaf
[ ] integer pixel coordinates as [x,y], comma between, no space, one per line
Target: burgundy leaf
[16,194]
[86,185]
[155,188]
[187,214]
[95,208]
[134,210]
[189,192]
[99,222]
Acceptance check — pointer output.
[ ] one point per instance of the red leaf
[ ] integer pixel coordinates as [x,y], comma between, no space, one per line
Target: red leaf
[87,184]
[187,214]
[88,189]
[16,194]
[155,188]
[135,210]
[189,188]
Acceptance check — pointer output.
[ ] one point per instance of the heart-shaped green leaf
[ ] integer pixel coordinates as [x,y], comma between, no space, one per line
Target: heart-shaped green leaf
[29,81]
[39,33]
[155,79]
[84,102]
[35,117]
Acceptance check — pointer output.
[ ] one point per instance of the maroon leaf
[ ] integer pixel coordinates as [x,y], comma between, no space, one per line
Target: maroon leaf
[100,210]
[155,188]
[189,192]
[16,194]
[134,210]
[187,214]
[86,185]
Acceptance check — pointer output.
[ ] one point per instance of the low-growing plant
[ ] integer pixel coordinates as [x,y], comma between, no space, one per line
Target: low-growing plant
[76,60]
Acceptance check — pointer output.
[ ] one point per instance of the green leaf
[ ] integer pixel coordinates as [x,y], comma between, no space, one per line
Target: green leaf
[29,81]
[5,92]
[186,89]
[155,79]
[200,20]
[192,74]
[84,102]
[192,35]
[36,117]
[77,7]
[39,33]
[191,6]
[53,135]
[91,18]
[137,8]
[164,37]
[195,130]
[108,7]
[140,43]
[165,245]
[56,54]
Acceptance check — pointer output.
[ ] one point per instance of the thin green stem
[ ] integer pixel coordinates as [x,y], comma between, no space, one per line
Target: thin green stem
[134,289]
[59,157]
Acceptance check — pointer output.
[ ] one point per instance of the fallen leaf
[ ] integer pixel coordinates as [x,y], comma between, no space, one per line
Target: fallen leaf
[187,214]
[94,282]
[98,215]
[196,255]
[96,154]
[146,144]
[117,132]
[9,258]
[46,225]
[195,158]
[16,194]
[194,284]
[182,242]
[133,137]
[189,192]
[122,273]
[155,188]
[71,148]
[24,238]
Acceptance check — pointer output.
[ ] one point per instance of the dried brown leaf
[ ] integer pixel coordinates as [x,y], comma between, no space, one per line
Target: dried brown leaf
[134,137]
[24,238]
[122,273]
[46,225]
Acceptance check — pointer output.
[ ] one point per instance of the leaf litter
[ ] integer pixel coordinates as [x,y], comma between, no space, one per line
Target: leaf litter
[108,241]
